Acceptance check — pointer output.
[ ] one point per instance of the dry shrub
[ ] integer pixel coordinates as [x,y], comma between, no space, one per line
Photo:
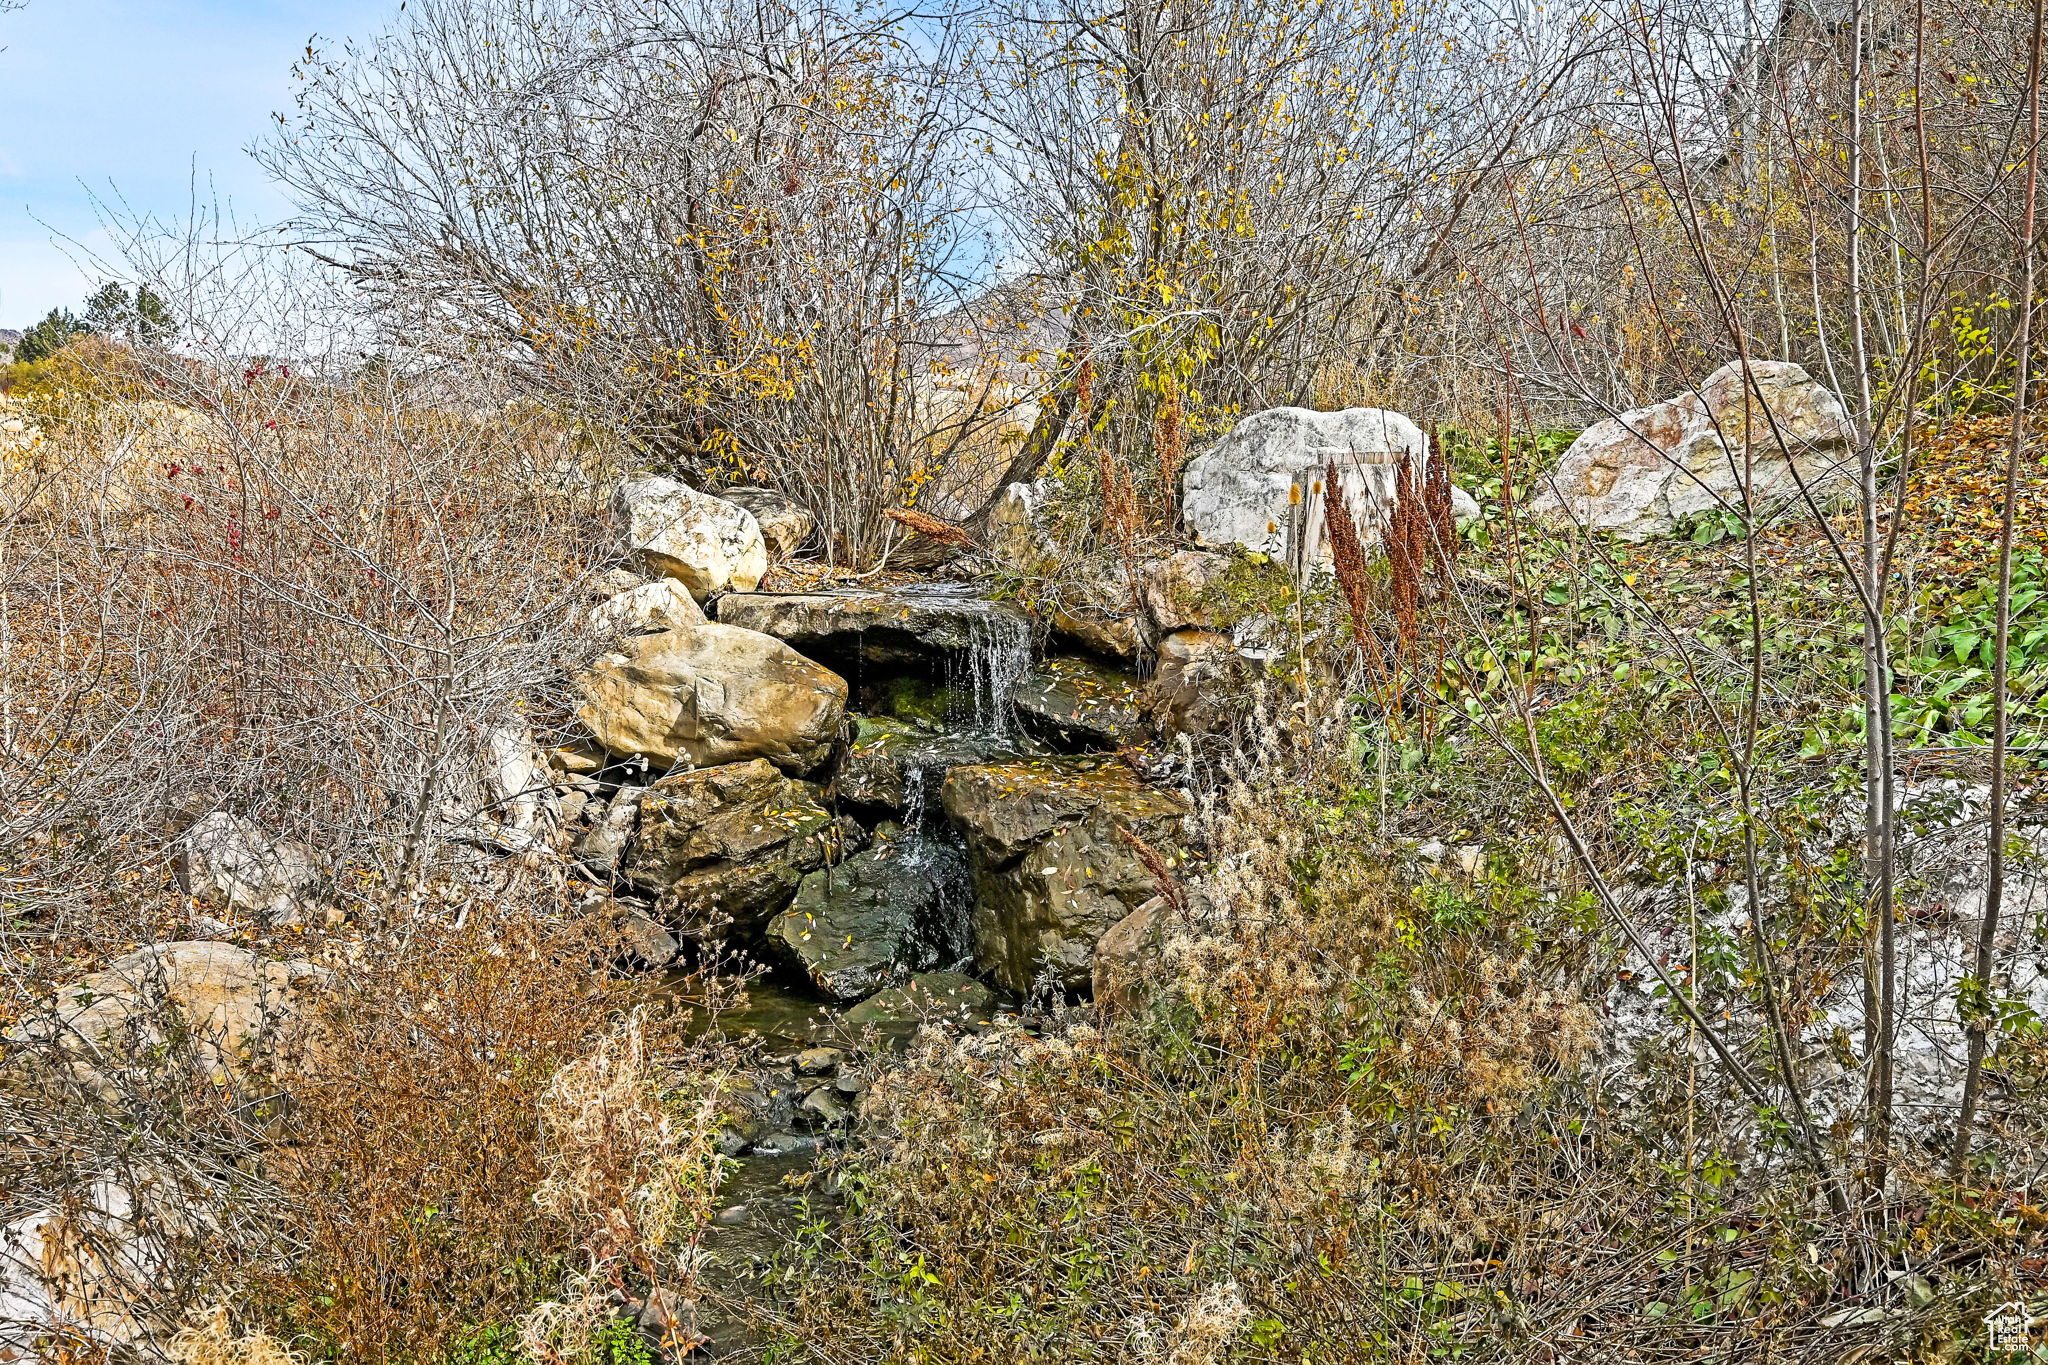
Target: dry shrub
[409,1192]
[305,601]
[211,1338]
[632,1164]
[1352,1125]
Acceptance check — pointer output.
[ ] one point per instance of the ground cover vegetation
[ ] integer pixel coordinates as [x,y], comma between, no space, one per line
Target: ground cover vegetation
[1587,948]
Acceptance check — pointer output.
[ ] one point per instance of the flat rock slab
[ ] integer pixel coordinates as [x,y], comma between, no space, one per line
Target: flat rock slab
[945,998]
[1079,703]
[891,629]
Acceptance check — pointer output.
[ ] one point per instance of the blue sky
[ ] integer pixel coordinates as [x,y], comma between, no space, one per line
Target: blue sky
[137,95]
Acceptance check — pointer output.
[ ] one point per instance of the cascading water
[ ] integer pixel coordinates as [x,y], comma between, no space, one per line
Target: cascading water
[997,655]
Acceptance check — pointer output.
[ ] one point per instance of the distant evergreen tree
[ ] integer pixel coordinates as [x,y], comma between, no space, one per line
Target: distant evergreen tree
[143,318]
[49,336]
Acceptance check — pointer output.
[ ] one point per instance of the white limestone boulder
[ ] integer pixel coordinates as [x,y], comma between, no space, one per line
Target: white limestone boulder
[707,544]
[1261,486]
[1642,473]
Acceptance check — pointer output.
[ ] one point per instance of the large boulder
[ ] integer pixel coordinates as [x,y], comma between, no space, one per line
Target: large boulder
[785,525]
[1053,869]
[1078,704]
[707,544]
[232,1010]
[1260,487]
[727,846]
[874,919]
[1642,473]
[708,694]
[227,860]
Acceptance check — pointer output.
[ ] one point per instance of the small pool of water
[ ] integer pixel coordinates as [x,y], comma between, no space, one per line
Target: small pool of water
[783,1014]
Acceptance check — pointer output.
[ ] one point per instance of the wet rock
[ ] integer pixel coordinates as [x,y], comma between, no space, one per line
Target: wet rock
[883,629]
[729,845]
[785,525]
[704,695]
[1200,686]
[1643,472]
[869,921]
[1052,868]
[707,544]
[946,998]
[817,1061]
[227,860]
[895,766]
[826,1106]
[1078,703]
[786,1144]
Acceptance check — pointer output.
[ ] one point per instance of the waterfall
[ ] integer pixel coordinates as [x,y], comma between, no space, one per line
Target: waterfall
[998,653]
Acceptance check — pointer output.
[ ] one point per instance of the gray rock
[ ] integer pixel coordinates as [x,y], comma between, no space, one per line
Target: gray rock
[1079,703]
[1052,868]
[871,920]
[826,1106]
[786,1144]
[611,829]
[729,845]
[945,998]
[1643,472]
[785,525]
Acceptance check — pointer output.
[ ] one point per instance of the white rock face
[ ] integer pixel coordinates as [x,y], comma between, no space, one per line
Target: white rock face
[663,604]
[227,860]
[1641,473]
[701,695]
[229,1005]
[707,544]
[89,1270]
[1242,490]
